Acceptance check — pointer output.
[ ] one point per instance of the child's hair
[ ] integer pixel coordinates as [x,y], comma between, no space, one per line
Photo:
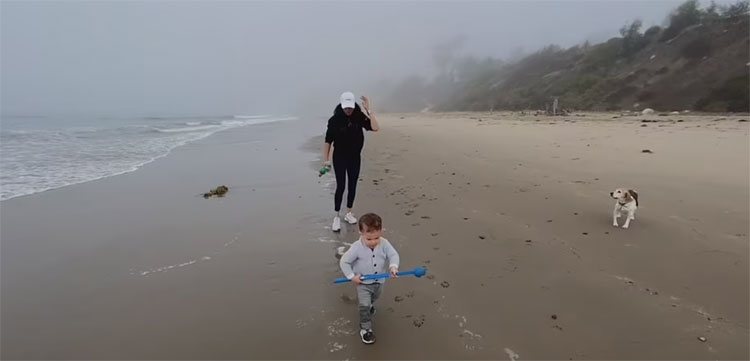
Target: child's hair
[370,222]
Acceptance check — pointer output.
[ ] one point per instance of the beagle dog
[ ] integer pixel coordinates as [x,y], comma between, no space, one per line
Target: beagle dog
[627,202]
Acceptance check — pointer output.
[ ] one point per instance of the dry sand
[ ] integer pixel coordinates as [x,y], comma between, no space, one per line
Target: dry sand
[513,218]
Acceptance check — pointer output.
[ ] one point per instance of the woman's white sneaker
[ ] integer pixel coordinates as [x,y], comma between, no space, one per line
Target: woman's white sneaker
[336,224]
[350,218]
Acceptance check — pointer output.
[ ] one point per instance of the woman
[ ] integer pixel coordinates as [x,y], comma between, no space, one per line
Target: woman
[346,134]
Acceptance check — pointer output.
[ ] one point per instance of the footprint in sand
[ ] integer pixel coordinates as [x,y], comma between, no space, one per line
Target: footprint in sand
[419,321]
[335,346]
[434,234]
[398,298]
[445,284]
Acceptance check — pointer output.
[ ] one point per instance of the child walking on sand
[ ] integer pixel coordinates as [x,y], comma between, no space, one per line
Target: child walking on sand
[368,255]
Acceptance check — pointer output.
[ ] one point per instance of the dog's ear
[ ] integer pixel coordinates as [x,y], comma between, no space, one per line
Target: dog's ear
[633,194]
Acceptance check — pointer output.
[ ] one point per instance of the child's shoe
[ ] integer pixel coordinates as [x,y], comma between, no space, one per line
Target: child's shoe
[367,336]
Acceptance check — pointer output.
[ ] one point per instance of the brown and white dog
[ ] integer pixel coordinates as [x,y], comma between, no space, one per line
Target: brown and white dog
[627,202]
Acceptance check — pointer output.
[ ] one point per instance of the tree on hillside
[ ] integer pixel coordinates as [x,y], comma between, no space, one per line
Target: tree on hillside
[710,14]
[651,32]
[690,13]
[740,8]
[632,39]
[685,15]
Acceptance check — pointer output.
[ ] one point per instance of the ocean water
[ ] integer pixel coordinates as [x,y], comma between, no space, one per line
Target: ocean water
[41,153]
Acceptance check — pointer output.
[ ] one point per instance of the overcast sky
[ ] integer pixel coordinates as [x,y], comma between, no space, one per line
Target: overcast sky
[250,57]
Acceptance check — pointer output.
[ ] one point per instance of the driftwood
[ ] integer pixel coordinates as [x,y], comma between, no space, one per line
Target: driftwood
[219,191]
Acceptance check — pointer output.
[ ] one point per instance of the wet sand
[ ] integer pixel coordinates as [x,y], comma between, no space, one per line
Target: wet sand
[141,266]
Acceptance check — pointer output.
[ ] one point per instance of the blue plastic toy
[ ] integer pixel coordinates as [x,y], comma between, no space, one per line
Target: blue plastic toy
[416,272]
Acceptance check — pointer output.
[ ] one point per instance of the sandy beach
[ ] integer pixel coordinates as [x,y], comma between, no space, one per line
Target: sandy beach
[511,215]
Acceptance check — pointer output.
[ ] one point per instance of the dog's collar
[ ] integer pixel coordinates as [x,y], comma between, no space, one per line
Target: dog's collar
[622,204]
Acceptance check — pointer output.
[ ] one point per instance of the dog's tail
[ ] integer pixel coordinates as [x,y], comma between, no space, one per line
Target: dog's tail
[634,194]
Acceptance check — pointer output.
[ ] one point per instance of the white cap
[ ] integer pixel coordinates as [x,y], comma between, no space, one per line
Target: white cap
[347,100]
